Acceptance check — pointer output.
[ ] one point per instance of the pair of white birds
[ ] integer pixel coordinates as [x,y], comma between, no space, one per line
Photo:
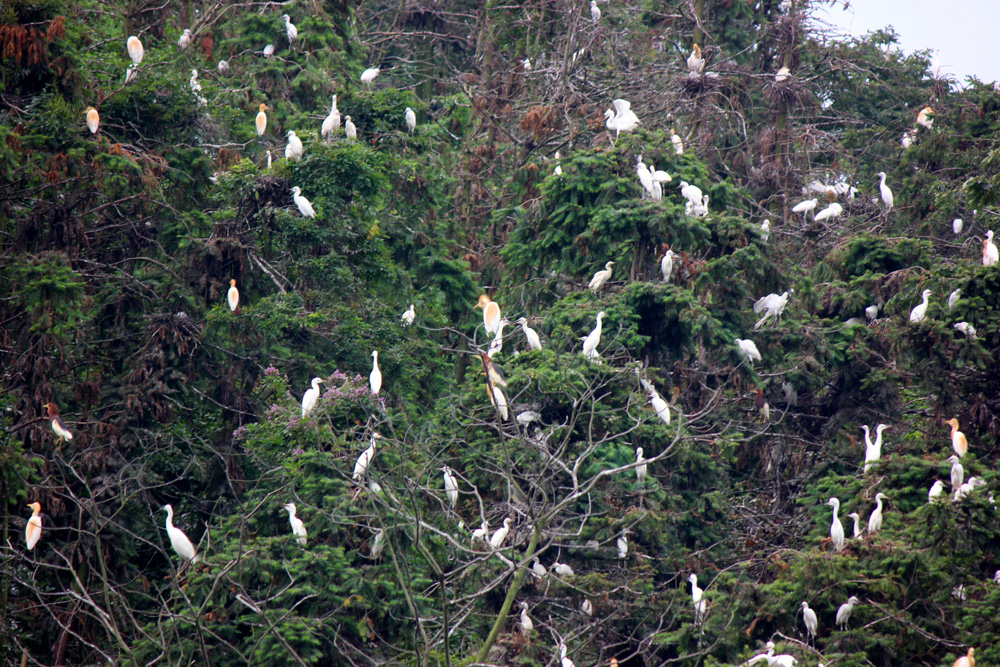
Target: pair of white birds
[311,397]
[651,179]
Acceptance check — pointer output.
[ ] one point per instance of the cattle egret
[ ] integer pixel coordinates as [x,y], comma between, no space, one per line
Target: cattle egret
[491,313]
[293,149]
[378,544]
[601,277]
[450,486]
[748,349]
[375,377]
[957,472]
[332,121]
[698,599]
[261,120]
[622,119]
[526,64]
[765,231]
[563,660]
[411,120]
[836,528]
[194,83]
[844,613]
[953,298]
[967,329]
[233,296]
[501,534]
[782,75]
[368,76]
[93,119]
[956,225]
[990,254]
[659,176]
[298,528]
[268,159]
[311,397]
[809,618]
[350,130]
[562,570]
[919,311]
[178,540]
[33,531]
[886,192]
[185,39]
[640,470]
[538,569]
[365,460]
[805,206]
[937,488]
[695,62]
[223,66]
[857,524]
[871,312]
[526,625]
[667,265]
[967,660]
[925,118]
[595,12]
[586,607]
[290,30]
[773,304]
[482,532]
[534,342]
[408,316]
[268,51]
[767,657]
[958,441]
[593,338]
[875,520]
[622,544]
[829,213]
[907,139]
[873,450]
[496,346]
[677,142]
[526,417]
[691,192]
[968,488]
[645,177]
[135,50]
[130,73]
[660,406]
[58,425]
[303,204]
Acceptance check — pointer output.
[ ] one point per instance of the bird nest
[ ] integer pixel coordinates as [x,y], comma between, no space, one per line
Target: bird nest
[695,84]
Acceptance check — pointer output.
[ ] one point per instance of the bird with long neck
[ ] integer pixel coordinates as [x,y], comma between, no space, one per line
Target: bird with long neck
[958,441]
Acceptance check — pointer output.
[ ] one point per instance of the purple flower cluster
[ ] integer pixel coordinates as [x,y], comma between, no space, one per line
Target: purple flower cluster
[271,370]
[297,452]
[272,411]
[239,433]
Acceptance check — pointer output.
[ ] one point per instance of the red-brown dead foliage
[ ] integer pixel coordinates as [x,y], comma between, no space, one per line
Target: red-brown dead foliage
[541,122]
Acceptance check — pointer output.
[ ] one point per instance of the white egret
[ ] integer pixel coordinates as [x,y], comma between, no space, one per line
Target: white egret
[956,225]
[534,342]
[873,450]
[223,67]
[33,531]
[194,83]
[645,177]
[369,75]
[622,544]
[805,206]
[844,613]
[375,377]
[411,120]
[526,417]
[811,621]
[782,75]
[773,304]
[481,533]
[957,472]
[677,142]
[408,316]
[667,265]
[378,544]
[261,121]
[953,298]
[958,440]
[990,254]
[593,339]
[600,278]
[640,470]
[871,312]
[562,569]
[311,397]
[290,30]
[691,192]
[836,528]
[491,313]
[937,488]
[350,130]
[526,625]
[298,528]
[303,204]
[829,213]
[695,62]
[563,660]
[496,346]
[748,349]
[659,176]
[450,486]
[293,149]
[93,119]
[501,534]
[130,73]
[925,118]
[886,193]
[365,460]
[919,311]
[185,39]
[586,607]
[178,540]
[332,121]
[967,329]
[135,50]
[875,520]
[700,210]
[697,598]
[595,12]
[269,159]
[907,139]
[765,231]
[538,569]
[857,524]
[233,296]
[268,50]
[58,425]
[622,119]
[767,657]
[968,488]
[656,194]
[660,407]
[967,660]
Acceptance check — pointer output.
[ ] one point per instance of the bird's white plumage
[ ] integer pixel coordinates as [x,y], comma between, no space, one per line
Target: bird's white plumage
[290,30]
[953,298]
[773,304]
[937,489]
[886,193]
[450,486]
[873,450]
[408,316]
[593,339]
[765,231]
[919,311]
[135,50]
[304,205]
[375,377]
[844,613]
[830,212]
[990,254]
[332,120]
[185,39]
[875,520]
[369,75]
[600,278]
[748,349]
[311,397]
[956,225]
[667,265]
[595,11]
[350,130]
[233,296]
[810,619]
[294,148]
[836,528]
[534,342]
[562,569]
[640,469]
[411,119]
[178,539]
[298,527]
[365,460]
[805,206]
[497,540]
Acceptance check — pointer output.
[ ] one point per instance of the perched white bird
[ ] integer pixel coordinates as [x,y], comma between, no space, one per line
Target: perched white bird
[695,61]
[595,12]
[886,192]
[667,265]
[130,73]
[501,534]
[844,613]
[640,470]
[765,231]
[937,488]
[768,656]
[450,486]
[645,176]
[526,625]
[925,118]
[773,304]
[698,599]
[919,311]
[748,349]
[260,122]
[135,50]
[311,397]
[332,121]
[293,149]
[586,607]
[365,460]
[699,210]
[534,342]
[223,66]
[601,277]
[563,660]
[233,296]
[990,253]
[411,119]
[873,450]
[871,312]
[305,208]
[677,142]
[967,488]
[957,472]
[907,139]
[954,297]
[659,176]
[526,417]
[185,39]
[829,213]
[378,544]
[809,618]
[622,119]
[298,528]
[622,544]
[491,313]
[538,569]
[290,30]
[481,533]
[33,530]
[558,170]
[691,192]
[268,50]
[660,406]
[836,528]
[782,75]
[967,329]
[857,524]
[369,75]
[593,339]
[375,377]
[875,520]
[178,540]
[350,130]
[805,206]
[93,120]
[956,225]
[408,316]
[562,569]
